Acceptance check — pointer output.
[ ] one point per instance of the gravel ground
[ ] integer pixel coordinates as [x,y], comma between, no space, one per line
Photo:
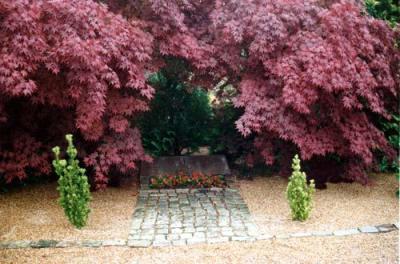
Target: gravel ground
[363,248]
[33,213]
[339,206]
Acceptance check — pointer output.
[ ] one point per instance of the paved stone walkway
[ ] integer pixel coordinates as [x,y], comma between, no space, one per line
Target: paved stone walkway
[185,217]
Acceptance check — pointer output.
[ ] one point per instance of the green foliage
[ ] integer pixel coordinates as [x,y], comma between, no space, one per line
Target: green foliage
[391,128]
[384,9]
[73,185]
[179,117]
[226,138]
[388,10]
[298,193]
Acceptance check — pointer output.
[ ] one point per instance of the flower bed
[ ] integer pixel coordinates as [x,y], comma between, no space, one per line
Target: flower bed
[182,180]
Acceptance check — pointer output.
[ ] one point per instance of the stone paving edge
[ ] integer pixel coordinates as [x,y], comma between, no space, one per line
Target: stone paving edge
[50,243]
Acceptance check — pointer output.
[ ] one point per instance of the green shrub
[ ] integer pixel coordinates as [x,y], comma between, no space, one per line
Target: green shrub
[388,10]
[73,185]
[226,139]
[392,132]
[391,128]
[183,117]
[298,193]
[179,117]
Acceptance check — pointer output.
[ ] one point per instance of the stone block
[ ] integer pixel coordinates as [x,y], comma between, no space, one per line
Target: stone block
[16,244]
[90,243]
[186,235]
[43,244]
[300,234]
[322,233]
[66,243]
[264,237]
[386,228]
[113,243]
[282,236]
[139,243]
[346,232]
[368,229]
[181,242]
[161,243]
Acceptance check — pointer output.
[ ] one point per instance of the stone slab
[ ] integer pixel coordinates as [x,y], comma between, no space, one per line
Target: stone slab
[322,233]
[264,237]
[301,234]
[113,243]
[346,232]
[43,244]
[90,243]
[139,243]
[16,244]
[386,228]
[368,229]
[66,244]
[210,165]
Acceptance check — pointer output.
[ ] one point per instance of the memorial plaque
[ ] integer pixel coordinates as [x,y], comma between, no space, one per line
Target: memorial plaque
[163,165]
[210,165]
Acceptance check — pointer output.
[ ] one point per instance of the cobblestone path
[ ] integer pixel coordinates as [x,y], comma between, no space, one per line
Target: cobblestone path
[184,217]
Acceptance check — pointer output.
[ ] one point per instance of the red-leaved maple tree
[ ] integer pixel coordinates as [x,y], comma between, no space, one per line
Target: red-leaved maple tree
[310,75]
[69,67]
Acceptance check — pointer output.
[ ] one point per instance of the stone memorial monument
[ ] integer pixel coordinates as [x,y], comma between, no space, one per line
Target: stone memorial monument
[209,165]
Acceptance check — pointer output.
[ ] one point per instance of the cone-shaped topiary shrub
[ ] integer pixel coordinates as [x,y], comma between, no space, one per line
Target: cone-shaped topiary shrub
[73,185]
[298,193]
